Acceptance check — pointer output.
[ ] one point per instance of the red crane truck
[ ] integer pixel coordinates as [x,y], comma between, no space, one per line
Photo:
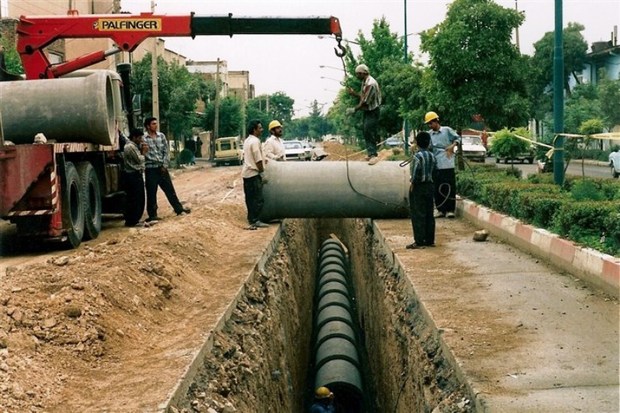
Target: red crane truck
[60,166]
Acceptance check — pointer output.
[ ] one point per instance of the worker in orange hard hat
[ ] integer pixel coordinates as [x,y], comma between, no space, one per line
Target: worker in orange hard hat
[323,401]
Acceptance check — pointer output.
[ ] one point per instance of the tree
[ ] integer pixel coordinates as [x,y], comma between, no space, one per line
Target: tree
[609,94]
[399,82]
[280,107]
[574,50]
[11,57]
[474,68]
[507,145]
[230,117]
[179,91]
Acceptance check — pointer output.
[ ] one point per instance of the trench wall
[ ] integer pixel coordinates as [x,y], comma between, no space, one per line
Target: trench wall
[410,368]
[259,358]
[260,355]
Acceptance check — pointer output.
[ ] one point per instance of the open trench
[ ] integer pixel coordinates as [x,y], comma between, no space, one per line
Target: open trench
[262,355]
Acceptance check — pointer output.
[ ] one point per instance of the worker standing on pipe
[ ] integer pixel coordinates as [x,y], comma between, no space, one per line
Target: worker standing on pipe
[253,166]
[369,103]
[421,193]
[443,142]
[323,401]
[274,147]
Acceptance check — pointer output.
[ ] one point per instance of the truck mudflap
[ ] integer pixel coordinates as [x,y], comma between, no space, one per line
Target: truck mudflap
[28,182]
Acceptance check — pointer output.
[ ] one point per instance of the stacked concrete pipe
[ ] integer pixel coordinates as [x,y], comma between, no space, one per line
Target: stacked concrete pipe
[337,356]
[83,107]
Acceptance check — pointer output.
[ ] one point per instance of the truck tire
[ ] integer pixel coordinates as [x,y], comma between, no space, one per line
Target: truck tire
[91,195]
[72,207]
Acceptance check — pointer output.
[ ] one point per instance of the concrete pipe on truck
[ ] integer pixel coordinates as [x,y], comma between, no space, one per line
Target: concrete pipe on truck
[71,109]
[335,190]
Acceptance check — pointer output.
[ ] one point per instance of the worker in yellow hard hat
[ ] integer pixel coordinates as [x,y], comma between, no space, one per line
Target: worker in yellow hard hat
[323,401]
[273,148]
[444,141]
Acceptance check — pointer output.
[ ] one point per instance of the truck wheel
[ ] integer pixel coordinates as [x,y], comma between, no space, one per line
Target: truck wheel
[72,207]
[91,195]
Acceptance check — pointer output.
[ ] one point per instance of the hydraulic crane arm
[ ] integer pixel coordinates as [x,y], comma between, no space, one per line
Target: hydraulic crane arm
[128,31]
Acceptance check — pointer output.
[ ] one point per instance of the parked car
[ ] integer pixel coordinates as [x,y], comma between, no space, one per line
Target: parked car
[473,148]
[228,150]
[318,153]
[394,142]
[295,151]
[614,163]
[528,156]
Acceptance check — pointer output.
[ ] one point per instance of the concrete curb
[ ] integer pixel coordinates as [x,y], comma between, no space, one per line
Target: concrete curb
[598,269]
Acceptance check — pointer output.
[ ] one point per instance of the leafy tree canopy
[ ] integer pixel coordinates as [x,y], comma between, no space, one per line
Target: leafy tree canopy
[179,91]
[474,68]
[574,50]
[399,82]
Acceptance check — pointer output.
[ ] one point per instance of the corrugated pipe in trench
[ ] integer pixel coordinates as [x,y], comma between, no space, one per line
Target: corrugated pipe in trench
[336,346]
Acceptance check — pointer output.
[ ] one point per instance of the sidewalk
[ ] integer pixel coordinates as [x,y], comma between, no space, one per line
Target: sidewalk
[525,336]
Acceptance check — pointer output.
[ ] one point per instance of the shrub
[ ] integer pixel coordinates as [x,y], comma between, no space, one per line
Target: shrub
[586,211]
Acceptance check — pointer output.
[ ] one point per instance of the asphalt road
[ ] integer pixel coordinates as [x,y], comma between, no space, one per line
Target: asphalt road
[591,169]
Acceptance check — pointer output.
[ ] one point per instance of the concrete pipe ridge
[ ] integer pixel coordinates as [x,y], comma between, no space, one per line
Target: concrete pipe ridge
[335,339]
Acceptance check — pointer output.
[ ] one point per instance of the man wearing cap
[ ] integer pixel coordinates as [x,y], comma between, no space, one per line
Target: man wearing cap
[273,147]
[369,103]
[443,142]
[323,401]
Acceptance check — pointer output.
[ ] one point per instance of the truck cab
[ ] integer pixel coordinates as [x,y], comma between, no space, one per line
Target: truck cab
[228,150]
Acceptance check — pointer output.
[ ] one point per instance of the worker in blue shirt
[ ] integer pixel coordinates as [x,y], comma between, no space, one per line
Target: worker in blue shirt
[421,193]
[443,143]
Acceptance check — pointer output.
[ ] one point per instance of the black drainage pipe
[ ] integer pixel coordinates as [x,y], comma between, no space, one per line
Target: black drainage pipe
[336,346]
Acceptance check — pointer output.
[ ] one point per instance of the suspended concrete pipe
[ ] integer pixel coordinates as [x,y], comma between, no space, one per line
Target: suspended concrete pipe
[72,109]
[350,189]
[337,361]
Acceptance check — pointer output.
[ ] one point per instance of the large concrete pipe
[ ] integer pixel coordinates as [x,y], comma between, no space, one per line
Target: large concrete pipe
[335,190]
[337,361]
[72,109]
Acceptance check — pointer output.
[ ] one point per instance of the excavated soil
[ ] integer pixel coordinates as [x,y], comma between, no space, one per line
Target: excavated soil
[112,325]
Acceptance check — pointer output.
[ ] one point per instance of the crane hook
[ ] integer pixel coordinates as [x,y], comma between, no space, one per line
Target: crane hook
[340,50]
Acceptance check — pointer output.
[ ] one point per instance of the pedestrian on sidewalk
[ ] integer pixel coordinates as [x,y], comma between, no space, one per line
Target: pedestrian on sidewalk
[253,167]
[443,142]
[369,104]
[156,172]
[421,193]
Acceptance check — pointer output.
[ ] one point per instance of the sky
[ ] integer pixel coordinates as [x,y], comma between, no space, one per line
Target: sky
[291,63]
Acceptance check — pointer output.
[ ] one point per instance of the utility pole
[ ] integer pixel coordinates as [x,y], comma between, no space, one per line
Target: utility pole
[558,98]
[244,104]
[517,29]
[216,121]
[154,73]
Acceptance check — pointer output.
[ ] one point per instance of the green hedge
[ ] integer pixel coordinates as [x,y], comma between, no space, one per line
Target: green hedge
[586,211]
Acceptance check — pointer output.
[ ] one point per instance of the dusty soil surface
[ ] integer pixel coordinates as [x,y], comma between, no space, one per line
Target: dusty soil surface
[112,325]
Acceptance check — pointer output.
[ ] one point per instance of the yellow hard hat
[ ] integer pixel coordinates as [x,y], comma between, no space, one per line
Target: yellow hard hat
[274,124]
[430,116]
[322,393]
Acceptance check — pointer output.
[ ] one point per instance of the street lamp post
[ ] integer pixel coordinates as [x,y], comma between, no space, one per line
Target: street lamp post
[406,60]
[331,67]
[331,78]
